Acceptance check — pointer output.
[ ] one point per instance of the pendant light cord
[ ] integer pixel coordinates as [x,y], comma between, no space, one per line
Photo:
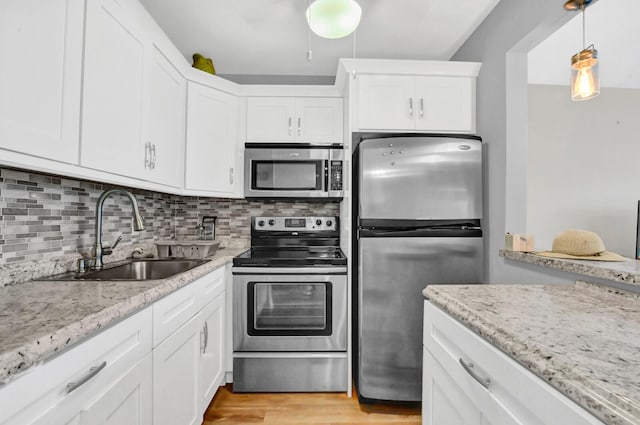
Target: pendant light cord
[584,26]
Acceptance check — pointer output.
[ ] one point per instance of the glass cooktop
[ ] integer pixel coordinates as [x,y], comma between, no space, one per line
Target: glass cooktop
[291,257]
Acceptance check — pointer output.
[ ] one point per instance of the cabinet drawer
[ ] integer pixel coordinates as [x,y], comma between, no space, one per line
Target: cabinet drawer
[175,309]
[516,390]
[68,380]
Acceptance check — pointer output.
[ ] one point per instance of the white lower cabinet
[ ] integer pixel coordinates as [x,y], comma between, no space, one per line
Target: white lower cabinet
[466,380]
[175,377]
[188,363]
[163,365]
[211,373]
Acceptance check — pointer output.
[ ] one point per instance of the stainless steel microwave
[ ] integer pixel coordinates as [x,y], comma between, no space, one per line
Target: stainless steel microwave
[293,170]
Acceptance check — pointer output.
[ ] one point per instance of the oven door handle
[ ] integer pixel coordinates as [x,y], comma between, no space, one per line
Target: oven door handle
[290,270]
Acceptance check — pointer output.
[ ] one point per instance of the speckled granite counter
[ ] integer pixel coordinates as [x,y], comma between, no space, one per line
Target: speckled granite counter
[583,339]
[619,271]
[40,319]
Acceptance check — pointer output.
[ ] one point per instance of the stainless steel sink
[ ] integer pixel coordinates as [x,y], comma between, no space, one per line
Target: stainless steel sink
[135,270]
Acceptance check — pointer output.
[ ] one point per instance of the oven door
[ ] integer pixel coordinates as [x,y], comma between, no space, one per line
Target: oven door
[286,172]
[289,312]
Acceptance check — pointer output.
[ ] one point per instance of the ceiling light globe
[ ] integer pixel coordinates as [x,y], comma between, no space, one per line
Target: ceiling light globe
[333,18]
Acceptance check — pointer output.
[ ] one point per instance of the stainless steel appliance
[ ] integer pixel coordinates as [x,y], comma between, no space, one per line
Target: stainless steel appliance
[419,204]
[293,170]
[290,307]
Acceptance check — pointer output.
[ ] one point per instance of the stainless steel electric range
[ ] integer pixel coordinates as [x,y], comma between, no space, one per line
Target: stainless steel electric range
[290,307]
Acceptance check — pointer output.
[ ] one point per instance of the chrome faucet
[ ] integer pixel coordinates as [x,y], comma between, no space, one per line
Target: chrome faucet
[138,224]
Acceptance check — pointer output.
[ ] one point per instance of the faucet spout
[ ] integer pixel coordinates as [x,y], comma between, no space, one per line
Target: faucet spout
[138,222]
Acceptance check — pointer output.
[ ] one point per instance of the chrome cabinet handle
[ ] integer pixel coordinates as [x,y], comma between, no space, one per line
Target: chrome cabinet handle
[147,154]
[421,107]
[299,126]
[153,156]
[290,120]
[206,337]
[411,107]
[230,175]
[72,386]
[485,382]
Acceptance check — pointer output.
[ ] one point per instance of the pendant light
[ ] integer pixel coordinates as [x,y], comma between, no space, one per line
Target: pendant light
[585,78]
[333,18]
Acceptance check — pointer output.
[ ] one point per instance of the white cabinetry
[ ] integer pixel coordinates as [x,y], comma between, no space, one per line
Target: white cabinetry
[189,356]
[165,125]
[466,380]
[109,376]
[134,98]
[116,49]
[212,155]
[289,119]
[40,77]
[175,377]
[427,103]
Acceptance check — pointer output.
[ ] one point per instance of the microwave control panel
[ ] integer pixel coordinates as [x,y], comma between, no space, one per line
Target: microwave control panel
[336,175]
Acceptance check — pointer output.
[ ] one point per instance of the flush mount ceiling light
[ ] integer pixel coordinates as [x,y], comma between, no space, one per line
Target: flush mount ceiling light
[333,18]
[585,78]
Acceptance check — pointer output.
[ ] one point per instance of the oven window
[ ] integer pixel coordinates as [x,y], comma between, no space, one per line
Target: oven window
[289,308]
[286,175]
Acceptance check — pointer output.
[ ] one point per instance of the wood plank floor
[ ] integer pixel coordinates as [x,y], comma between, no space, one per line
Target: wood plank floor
[302,409]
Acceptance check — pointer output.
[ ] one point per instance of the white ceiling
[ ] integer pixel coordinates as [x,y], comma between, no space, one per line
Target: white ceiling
[270,37]
[612,26]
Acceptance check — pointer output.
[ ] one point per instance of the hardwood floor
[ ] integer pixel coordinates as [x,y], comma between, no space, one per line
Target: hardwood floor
[303,409]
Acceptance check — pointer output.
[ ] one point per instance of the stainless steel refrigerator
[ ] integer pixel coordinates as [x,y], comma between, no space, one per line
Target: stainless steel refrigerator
[419,211]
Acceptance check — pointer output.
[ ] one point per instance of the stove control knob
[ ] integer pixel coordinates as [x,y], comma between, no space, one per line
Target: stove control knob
[318,222]
[272,222]
[329,223]
[261,223]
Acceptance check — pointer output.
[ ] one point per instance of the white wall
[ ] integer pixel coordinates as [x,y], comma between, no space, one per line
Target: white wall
[501,43]
[583,166]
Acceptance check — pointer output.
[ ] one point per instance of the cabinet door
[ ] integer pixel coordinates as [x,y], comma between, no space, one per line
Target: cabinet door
[443,401]
[127,401]
[213,347]
[445,104]
[40,77]
[211,140]
[319,120]
[386,102]
[175,376]
[271,119]
[115,49]
[165,124]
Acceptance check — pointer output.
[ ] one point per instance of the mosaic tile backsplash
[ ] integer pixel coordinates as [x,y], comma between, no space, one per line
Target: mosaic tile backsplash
[44,216]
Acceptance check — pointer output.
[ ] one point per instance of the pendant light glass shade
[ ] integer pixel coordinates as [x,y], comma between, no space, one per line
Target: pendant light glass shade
[333,18]
[585,78]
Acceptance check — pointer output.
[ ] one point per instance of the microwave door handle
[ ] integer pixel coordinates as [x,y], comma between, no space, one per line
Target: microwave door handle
[326,175]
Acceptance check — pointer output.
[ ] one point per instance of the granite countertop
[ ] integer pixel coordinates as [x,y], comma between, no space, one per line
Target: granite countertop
[619,271]
[583,339]
[39,319]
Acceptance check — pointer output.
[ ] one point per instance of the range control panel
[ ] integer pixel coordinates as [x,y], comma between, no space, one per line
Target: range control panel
[288,224]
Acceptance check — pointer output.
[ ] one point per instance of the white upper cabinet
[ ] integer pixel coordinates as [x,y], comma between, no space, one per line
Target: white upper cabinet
[163,147]
[114,77]
[212,156]
[429,103]
[40,77]
[290,119]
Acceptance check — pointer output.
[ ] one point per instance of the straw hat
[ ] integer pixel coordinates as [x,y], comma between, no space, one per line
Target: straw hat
[580,245]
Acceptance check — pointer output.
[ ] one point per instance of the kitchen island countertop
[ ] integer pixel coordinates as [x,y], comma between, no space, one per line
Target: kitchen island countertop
[583,339]
[39,319]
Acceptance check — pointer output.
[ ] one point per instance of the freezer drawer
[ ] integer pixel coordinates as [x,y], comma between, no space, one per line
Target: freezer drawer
[392,272]
[420,178]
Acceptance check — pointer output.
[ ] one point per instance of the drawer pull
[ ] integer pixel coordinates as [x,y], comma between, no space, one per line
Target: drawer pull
[485,382]
[72,386]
